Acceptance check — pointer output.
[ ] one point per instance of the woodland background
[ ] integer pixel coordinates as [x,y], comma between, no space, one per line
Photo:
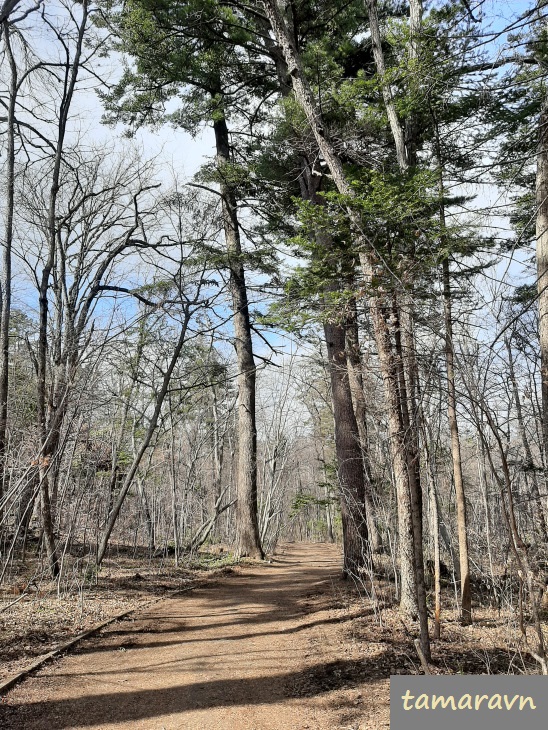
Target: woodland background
[337,329]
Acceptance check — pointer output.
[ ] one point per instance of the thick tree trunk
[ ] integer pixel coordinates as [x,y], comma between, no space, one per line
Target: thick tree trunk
[542,267]
[248,540]
[355,376]
[409,399]
[434,528]
[408,592]
[305,99]
[352,476]
[47,521]
[349,457]
[49,431]
[51,413]
[437,577]
[52,449]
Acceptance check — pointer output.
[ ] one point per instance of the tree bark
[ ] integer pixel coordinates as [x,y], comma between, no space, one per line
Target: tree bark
[6,262]
[409,397]
[542,266]
[304,98]
[542,262]
[355,376]
[247,527]
[435,531]
[349,457]
[465,589]
[408,591]
[528,463]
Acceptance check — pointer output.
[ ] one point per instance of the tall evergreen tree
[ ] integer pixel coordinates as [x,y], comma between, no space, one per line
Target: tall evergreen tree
[192,51]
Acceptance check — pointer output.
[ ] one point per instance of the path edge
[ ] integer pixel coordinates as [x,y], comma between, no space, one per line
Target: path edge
[14,679]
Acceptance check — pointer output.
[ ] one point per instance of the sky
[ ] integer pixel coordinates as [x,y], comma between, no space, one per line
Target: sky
[172,146]
[174,150]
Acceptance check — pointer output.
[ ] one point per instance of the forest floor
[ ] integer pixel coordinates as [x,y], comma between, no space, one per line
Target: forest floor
[284,645]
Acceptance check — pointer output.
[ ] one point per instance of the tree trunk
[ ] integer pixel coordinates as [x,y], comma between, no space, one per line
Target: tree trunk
[434,528]
[465,589]
[247,527]
[149,519]
[482,478]
[349,458]
[49,430]
[304,98]
[542,262]
[436,539]
[393,120]
[409,399]
[352,476]
[408,590]
[173,474]
[6,264]
[355,376]
[462,522]
[406,156]
[529,464]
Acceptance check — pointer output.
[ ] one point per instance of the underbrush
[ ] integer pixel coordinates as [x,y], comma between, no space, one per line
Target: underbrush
[500,640]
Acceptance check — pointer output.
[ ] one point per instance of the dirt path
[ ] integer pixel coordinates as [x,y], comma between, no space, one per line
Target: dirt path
[235,655]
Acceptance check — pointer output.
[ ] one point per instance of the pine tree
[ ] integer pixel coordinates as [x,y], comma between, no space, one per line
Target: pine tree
[189,51]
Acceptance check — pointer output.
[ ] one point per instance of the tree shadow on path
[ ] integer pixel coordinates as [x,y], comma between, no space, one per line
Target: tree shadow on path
[96,710]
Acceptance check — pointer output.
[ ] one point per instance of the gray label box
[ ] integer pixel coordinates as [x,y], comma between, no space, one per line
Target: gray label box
[473,702]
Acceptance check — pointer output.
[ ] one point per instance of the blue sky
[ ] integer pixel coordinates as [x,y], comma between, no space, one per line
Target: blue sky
[177,152]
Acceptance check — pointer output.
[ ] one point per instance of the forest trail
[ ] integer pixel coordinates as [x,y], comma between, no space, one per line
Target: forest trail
[233,655]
